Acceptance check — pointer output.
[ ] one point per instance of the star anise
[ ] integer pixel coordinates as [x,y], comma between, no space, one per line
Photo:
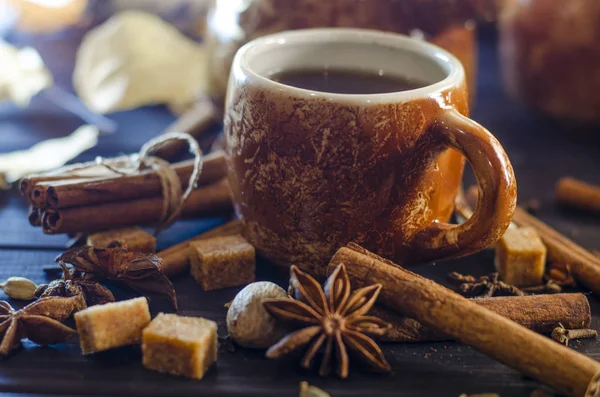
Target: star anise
[332,317]
[72,284]
[484,286]
[138,271]
[39,321]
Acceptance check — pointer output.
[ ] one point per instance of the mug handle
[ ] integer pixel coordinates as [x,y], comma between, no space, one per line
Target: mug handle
[497,193]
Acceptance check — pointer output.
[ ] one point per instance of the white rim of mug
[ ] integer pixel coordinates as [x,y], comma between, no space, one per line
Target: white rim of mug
[454,70]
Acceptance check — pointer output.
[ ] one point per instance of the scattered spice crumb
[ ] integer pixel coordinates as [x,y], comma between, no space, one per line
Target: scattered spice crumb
[226,344]
[541,393]
[307,390]
[573,233]
[532,206]
[480,395]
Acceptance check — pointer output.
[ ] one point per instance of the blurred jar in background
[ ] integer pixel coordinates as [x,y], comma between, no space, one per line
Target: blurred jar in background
[44,16]
[55,28]
[50,16]
[550,55]
[446,23]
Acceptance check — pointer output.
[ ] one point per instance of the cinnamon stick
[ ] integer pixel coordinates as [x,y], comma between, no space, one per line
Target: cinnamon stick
[176,259]
[540,313]
[85,170]
[577,194]
[437,307]
[195,121]
[211,200]
[35,216]
[75,192]
[585,266]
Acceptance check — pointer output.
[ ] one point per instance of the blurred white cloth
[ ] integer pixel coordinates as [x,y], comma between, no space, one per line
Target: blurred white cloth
[49,154]
[136,59]
[22,74]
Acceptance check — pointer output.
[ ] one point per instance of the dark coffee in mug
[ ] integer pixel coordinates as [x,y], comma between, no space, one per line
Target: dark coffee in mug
[342,81]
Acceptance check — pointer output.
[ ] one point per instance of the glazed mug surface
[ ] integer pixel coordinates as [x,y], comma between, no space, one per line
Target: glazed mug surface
[311,171]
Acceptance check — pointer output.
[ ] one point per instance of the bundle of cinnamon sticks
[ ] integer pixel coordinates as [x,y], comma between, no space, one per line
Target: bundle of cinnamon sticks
[89,197]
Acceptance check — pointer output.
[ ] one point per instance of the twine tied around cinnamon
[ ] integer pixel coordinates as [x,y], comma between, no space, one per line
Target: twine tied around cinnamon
[173,197]
[593,389]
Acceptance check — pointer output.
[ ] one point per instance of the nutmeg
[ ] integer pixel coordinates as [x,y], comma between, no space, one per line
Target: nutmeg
[248,323]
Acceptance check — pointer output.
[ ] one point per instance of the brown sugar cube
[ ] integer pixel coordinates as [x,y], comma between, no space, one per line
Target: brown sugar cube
[134,238]
[521,257]
[111,325]
[180,345]
[222,262]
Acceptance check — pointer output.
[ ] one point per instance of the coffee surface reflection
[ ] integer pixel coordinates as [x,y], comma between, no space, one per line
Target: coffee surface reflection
[340,81]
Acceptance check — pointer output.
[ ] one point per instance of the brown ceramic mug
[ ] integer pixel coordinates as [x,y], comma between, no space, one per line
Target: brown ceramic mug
[311,171]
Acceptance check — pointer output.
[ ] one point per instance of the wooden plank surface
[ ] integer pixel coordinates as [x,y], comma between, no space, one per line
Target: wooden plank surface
[432,369]
[541,152]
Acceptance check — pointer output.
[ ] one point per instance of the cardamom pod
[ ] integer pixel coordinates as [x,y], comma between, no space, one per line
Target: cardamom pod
[19,288]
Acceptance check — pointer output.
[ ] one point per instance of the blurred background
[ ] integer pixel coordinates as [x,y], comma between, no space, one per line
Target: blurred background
[129,69]
[99,57]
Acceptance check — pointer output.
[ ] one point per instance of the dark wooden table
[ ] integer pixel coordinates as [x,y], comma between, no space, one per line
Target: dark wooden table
[541,151]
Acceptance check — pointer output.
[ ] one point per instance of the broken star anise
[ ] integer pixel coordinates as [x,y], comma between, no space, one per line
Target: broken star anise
[332,317]
[561,274]
[138,271]
[39,321]
[71,284]
[484,286]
